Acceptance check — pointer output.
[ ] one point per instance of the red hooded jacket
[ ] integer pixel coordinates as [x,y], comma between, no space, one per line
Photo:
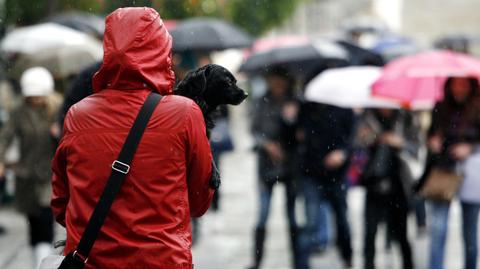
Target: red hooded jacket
[148,225]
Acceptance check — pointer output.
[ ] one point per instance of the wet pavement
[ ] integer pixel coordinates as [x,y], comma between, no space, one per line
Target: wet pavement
[226,241]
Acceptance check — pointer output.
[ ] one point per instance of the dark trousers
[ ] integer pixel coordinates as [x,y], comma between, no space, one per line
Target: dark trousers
[266,192]
[420,212]
[395,213]
[336,194]
[41,226]
[470,213]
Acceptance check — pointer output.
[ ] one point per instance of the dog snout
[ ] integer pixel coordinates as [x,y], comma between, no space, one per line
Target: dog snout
[239,97]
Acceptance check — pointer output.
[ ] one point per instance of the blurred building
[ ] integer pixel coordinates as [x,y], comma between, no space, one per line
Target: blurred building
[323,17]
[424,20]
[431,19]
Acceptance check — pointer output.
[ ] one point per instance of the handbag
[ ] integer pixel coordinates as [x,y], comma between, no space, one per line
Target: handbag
[120,168]
[441,185]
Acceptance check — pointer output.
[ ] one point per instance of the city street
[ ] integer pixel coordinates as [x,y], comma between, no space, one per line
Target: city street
[225,241]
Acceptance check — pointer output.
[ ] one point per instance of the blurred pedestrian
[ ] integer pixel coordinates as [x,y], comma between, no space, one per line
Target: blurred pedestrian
[7,103]
[387,134]
[80,88]
[327,139]
[470,201]
[148,225]
[31,123]
[221,142]
[273,128]
[453,135]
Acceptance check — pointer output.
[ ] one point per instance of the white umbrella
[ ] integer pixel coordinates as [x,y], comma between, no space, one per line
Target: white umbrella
[348,87]
[61,62]
[32,39]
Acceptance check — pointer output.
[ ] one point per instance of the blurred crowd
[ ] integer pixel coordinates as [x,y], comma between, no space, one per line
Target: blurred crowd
[408,154]
[319,151]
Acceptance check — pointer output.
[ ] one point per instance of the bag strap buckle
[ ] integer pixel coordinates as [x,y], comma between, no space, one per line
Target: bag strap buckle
[77,256]
[120,167]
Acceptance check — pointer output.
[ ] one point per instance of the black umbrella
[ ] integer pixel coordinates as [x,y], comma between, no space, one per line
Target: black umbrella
[457,42]
[297,58]
[360,56]
[81,21]
[208,34]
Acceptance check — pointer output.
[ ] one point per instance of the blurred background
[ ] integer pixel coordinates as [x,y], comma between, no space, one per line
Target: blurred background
[331,68]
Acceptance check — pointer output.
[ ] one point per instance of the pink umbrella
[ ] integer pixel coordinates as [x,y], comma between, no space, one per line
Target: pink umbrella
[268,43]
[265,44]
[418,80]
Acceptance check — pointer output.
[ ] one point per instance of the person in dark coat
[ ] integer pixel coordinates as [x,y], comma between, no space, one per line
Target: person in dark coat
[80,88]
[273,128]
[386,134]
[326,134]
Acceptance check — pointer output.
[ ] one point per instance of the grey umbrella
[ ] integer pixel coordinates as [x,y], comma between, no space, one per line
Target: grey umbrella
[297,58]
[208,34]
[81,21]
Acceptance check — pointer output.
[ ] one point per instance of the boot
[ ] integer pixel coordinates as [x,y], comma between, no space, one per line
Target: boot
[41,251]
[258,247]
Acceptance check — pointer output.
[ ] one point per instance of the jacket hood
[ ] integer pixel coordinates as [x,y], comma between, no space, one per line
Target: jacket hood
[137,52]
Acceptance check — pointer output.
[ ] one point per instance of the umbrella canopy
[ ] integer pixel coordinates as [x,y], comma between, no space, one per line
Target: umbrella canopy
[208,34]
[391,47]
[364,25]
[348,87]
[269,43]
[297,58]
[61,62]
[32,39]
[81,21]
[419,79]
[361,56]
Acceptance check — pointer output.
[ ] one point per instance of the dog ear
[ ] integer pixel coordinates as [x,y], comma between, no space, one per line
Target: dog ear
[199,82]
[208,69]
[194,84]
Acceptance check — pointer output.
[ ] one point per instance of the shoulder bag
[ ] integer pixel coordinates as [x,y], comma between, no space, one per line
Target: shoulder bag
[120,168]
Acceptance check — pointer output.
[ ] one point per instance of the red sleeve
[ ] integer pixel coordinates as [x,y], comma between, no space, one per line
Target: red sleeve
[199,163]
[60,193]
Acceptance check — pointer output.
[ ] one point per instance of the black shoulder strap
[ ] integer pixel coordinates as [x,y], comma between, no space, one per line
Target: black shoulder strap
[120,169]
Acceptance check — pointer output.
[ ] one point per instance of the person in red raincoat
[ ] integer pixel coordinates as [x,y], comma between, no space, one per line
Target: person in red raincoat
[148,225]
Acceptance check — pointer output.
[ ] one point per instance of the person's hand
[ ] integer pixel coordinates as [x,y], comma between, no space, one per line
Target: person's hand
[363,133]
[290,112]
[274,151]
[2,171]
[300,135]
[335,159]
[460,151]
[393,140]
[435,144]
[55,130]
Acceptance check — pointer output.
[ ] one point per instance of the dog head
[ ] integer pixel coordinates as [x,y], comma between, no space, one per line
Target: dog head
[212,85]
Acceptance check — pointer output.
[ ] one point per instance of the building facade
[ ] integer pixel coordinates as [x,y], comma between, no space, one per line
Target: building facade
[423,20]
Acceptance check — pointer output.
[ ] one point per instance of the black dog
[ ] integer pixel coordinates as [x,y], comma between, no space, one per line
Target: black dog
[211,86]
